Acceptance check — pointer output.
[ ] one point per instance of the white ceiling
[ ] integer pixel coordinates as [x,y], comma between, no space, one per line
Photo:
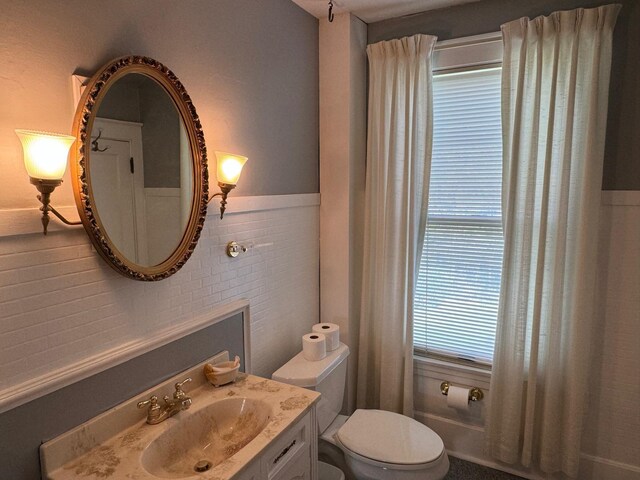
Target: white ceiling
[375,10]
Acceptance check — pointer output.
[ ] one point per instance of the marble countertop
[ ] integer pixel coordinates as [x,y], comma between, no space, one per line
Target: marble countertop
[119,457]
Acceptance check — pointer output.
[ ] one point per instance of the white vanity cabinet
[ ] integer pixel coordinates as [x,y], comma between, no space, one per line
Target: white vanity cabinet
[252,472]
[292,456]
[297,468]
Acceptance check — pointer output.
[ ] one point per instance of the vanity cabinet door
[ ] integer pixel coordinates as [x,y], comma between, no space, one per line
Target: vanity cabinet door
[252,472]
[297,468]
[290,455]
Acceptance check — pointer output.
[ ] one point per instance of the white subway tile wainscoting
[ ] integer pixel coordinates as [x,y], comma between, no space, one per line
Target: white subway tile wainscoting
[61,304]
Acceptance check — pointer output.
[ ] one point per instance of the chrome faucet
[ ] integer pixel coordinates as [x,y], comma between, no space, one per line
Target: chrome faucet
[157,413]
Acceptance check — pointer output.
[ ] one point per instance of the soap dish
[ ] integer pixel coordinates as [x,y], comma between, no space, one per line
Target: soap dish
[222,373]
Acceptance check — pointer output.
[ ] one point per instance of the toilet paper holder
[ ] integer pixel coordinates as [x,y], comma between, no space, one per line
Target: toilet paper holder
[475,394]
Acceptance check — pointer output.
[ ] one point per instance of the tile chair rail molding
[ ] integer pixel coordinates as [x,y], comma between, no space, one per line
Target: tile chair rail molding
[40,386]
[20,221]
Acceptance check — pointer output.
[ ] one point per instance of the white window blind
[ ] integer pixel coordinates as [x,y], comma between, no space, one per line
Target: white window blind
[456,297]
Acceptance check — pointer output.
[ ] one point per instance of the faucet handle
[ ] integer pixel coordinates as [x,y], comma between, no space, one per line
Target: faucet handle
[152,402]
[154,411]
[153,405]
[179,393]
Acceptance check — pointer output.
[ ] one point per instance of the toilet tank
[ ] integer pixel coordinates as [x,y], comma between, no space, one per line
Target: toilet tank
[327,376]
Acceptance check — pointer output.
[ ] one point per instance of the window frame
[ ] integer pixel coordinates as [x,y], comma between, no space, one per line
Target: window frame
[456,55]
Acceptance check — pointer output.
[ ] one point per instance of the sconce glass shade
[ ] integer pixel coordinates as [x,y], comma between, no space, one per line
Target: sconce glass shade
[45,154]
[229,167]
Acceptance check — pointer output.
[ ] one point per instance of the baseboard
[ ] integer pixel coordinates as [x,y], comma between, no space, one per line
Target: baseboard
[467,443]
[496,466]
[598,468]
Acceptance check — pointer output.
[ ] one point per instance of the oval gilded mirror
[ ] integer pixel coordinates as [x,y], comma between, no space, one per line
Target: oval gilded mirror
[140,172]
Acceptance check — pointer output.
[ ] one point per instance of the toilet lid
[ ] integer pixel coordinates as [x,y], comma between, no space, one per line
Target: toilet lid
[390,437]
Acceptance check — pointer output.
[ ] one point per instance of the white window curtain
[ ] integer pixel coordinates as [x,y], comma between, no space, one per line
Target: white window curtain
[555,88]
[397,184]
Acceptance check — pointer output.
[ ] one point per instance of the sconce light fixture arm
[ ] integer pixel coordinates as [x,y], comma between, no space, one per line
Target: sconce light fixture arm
[46,187]
[62,219]
[226,188]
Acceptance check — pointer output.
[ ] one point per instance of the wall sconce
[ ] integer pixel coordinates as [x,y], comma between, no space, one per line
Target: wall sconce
[45,158]
[229,170]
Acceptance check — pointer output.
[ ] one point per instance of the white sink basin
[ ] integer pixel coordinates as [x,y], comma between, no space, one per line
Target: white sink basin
[208,437]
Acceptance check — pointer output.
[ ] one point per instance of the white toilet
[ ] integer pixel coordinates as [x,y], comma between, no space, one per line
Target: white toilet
[377,445]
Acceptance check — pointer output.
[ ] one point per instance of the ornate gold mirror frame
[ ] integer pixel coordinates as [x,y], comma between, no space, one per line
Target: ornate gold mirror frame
[82,127]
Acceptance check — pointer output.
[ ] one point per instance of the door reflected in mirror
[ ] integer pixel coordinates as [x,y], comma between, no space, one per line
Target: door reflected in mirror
[141,170]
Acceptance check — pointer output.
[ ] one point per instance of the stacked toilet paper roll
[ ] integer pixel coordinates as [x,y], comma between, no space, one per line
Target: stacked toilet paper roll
[332,333]
[324,337]
[314,346]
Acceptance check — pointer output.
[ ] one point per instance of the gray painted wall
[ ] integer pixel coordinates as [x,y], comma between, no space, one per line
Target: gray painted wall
[137,98]
[24,428]
[122,101]
[622,155]
[160,137]
[250,67]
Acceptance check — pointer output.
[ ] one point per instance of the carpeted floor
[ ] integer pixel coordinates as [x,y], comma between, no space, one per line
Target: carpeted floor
[463,470]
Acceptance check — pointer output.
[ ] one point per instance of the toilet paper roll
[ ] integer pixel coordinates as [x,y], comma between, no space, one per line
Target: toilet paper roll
[458,398]
[331,331]
[314,346]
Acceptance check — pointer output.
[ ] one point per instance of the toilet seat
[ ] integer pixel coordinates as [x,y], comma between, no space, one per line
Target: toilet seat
[390,440]
[417,467]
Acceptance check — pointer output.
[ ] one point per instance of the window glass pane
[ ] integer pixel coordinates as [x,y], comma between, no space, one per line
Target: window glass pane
[458,287]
